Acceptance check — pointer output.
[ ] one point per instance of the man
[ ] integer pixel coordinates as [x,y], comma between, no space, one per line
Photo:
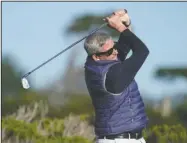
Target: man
[119,110]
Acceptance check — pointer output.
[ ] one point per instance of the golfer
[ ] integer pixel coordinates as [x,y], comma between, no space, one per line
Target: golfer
[110,78]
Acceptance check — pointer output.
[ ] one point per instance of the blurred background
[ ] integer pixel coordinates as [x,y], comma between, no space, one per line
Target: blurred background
[57,107]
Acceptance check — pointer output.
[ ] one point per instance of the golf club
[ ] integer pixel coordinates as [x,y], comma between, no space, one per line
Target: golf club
[24,80]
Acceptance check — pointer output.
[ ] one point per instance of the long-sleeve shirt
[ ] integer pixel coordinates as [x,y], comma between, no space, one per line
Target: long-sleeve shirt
[121,75]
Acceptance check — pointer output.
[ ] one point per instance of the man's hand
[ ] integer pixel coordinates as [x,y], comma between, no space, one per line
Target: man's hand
[115,22]
[124,17]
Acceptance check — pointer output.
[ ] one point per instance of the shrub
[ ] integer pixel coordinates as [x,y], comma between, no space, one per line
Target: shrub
[23,126]
[30,124]
[166,134]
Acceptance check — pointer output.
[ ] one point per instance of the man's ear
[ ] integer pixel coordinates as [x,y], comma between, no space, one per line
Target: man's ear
[96,58]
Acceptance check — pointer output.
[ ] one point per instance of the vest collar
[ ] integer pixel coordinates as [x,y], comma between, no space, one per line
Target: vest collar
[91,61]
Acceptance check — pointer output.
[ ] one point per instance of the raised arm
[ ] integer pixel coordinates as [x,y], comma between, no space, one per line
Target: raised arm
[121,75]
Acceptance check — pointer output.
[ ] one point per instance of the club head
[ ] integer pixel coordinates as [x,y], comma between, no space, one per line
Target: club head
[25,83]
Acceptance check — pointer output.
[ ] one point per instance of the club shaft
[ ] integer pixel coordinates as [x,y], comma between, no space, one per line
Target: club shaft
[27,74]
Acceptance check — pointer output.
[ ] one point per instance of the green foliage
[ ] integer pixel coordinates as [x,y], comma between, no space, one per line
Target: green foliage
[166,134]
[181,113]
[155,118]
[68,129]
[87,22]
[52,130]
[54,127]
[45,130]
[79,104]
[13,95]
[84,23]
[76,104]
[171,73]
[20,128]
[10,104]
[11,78]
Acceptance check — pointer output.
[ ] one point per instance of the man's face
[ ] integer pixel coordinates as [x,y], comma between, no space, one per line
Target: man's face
[108,52]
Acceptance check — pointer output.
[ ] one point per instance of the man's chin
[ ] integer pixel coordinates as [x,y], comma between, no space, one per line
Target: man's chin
[115,58]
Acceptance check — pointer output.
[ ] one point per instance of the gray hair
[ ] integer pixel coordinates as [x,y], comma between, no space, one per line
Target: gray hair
[94,42]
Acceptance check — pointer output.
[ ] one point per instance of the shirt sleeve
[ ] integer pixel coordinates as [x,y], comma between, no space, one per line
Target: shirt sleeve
[123,51]
[121,75]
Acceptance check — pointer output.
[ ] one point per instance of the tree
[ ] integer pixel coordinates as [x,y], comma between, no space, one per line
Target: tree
[11,82]
[171,73]
[89,22]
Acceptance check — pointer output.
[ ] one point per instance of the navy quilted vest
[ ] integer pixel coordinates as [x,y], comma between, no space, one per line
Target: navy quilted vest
[114,113]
